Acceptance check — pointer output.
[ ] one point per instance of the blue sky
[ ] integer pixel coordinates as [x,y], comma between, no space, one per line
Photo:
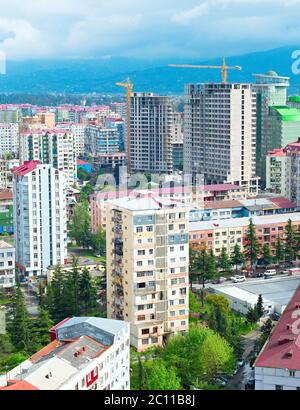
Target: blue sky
[145,28]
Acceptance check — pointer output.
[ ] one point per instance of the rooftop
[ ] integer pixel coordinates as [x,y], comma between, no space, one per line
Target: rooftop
[277,152]
[145,204]
[26,168]
[282,351]
[244,222]
[287,114]
[5,195]
[5,245]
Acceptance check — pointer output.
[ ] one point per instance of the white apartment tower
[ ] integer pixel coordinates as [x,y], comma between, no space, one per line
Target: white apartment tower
[40,219]
[55,147]
[147,268]
[220,133]
[9,139]
[151,133]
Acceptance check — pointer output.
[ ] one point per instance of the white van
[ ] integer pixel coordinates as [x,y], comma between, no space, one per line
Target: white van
[270,273]
[239,279]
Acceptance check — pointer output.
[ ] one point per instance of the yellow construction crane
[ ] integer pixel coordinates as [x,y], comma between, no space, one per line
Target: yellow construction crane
[129,86]
[223,68]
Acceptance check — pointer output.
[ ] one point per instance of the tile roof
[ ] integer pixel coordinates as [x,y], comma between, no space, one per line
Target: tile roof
[26,168]
[6,195]
[19,385]
[282,351]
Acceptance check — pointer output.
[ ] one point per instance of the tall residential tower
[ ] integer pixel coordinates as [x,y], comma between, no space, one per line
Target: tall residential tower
[220,133]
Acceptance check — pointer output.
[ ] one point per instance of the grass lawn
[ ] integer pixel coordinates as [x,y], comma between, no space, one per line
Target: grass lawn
[86,254]
[245,326]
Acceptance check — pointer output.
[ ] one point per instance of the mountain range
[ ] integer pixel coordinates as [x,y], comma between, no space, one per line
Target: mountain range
[100,75]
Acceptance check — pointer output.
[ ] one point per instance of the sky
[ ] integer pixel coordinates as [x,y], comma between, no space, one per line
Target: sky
[145,28]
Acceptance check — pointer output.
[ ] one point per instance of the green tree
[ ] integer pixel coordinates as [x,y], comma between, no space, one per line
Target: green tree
[159,377]
[252,316]
[251,247]
[219,300]
[87,291]
[267,255]
[224,262]
[20,326]
[290,241]
[40,330]
[98,241]
[216,357]
[80,225]
[279,250]
[86,191]
[237,258]
[259,308]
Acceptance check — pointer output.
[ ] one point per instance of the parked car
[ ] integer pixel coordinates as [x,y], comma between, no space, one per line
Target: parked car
[241,363]
[239,279]
[250,385]
[270,273]
[275,316]
[258,275]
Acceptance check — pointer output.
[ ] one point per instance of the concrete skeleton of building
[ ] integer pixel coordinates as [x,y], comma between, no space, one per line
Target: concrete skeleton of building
[147,268]
[7,265]
[9,139]
[55,147]
[40,219]
[278,365]
[150,133]
[220,133]
[86,353]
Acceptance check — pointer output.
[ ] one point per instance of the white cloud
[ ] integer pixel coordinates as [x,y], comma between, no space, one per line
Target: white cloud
[186,16]
[145,28]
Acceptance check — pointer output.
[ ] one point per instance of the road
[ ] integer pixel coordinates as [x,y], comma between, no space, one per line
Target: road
[31,300]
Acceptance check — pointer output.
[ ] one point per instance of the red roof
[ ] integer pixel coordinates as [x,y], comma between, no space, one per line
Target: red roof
[19,385]
[221,187]
[277,152]
[293,146]
[80,162]
[5,195]
[283,203]
[27,167]
[283,348]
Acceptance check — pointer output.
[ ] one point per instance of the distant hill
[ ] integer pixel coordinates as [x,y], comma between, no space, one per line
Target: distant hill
[100,76]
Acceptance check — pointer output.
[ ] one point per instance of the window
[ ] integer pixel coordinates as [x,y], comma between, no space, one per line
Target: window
[145,331]
[141,318]
[292,373]
[139,229]
[149,228]
[278,387]
[141,252]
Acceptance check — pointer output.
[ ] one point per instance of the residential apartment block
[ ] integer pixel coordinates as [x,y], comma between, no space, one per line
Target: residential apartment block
[277,172]
[225,233]
[55,147]
[40,219]
[6,212]
[220,133]
[271,90]
[147,268]
[151,133]
[99,140]
[78,131]
[7,265]
[85,353]
[278,364]
[9,139]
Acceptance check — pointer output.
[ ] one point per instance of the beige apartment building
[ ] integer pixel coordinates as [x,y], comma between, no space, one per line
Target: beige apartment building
[147,268]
